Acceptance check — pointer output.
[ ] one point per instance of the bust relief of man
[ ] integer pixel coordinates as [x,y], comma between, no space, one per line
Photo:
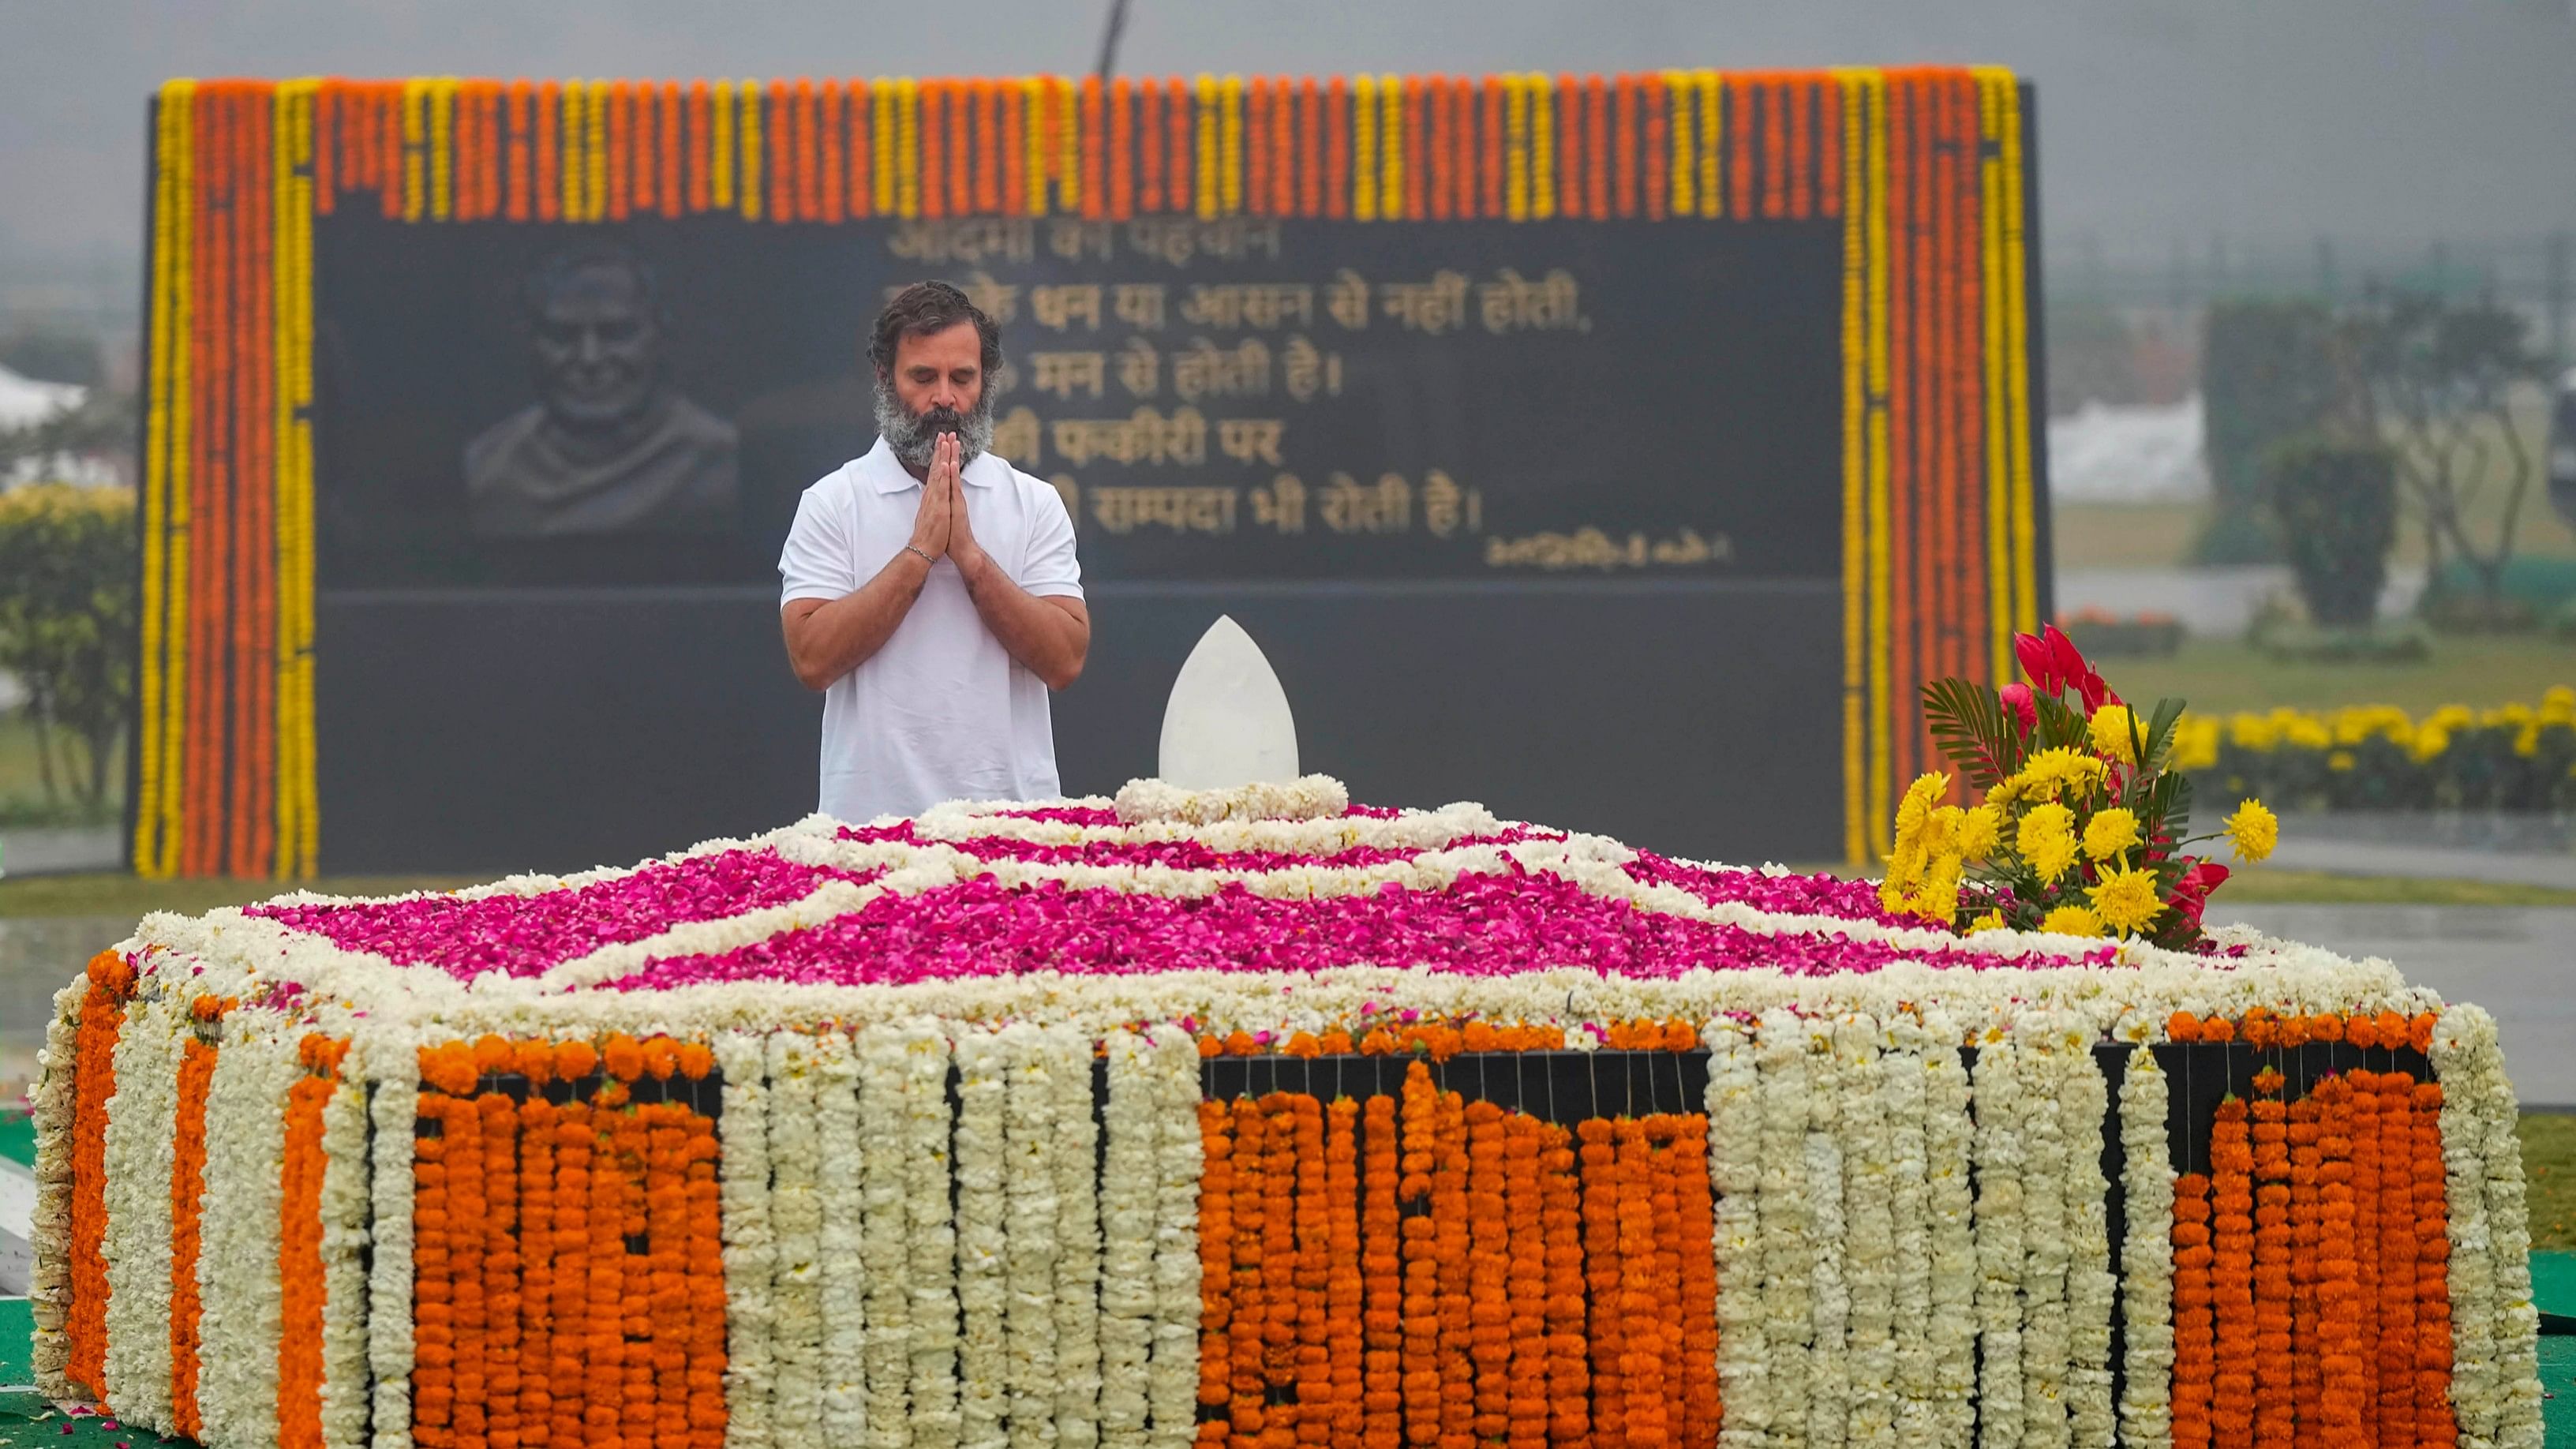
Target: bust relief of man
[611,446]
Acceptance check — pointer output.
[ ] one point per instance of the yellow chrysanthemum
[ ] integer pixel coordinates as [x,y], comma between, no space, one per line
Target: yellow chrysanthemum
[2046,840]
[2072,921]
[1990,921]
[2110,832]
[1926,791]
[2253,830]
[2111,731]
[1937,899]
[1980,831]
[1941,830]
[2125,899]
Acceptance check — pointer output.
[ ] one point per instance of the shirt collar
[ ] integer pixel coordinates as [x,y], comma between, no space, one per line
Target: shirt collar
[890,477]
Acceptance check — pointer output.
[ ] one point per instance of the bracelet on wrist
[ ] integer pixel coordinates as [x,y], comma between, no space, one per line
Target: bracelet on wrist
[924,554]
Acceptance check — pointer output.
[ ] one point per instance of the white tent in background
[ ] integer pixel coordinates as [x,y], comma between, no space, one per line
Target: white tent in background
[2128,454]
[25,402]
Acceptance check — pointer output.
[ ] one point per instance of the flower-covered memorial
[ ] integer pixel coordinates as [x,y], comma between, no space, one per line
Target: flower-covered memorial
[1250,1116]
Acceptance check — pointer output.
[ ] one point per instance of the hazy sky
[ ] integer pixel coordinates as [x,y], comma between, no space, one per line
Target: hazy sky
[2161,120]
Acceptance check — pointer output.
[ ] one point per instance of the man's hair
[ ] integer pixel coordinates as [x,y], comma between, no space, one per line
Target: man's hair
[926,308]
[551,275]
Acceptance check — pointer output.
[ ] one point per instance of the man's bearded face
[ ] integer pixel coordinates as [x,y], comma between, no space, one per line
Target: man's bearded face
[925,397]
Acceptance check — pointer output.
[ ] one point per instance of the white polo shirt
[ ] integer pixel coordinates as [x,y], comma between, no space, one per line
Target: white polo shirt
[942,711]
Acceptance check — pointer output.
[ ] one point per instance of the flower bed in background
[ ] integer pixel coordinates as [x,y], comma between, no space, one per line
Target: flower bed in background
[2517,758]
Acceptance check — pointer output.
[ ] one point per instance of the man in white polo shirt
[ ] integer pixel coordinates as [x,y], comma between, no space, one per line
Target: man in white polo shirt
[931,591]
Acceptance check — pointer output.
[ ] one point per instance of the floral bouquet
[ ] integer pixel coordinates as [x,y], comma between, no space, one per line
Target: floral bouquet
[2081,831]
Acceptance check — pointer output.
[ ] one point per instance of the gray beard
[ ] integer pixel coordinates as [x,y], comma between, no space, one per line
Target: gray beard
[912,438]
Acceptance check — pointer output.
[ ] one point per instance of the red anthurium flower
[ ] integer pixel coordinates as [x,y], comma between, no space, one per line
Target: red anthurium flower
[2191,891]
[2096,693]
[2066,660]
[2023,704]
[2038,663]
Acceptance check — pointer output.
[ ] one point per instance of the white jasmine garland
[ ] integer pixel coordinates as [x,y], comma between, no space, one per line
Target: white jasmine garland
[49,1288]
[237,1273]
[1948,1130]
[2146,1256]
[934,1271]
[1309,797]
[346,1309]
[2509,1229]
[142,1125]
[1076,1163]
[1735,1108]
[794,1143]
[2463,1039]
[390,1057]
[1897,1100]
[885,1251]
[2091,1286]
[1129,1202]
[1172,1381]
[1030,1145]
[1869,1173]
[750,1247]
[982,1242]
[2042,1074]
[2001,1244]
[1828,1361]
[1787,1208]
[841,1184]
[2470,1064]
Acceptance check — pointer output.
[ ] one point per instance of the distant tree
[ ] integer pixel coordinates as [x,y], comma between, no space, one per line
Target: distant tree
[52,355]
[2437,378]
[68,609]
[2091,356]
[2267,373]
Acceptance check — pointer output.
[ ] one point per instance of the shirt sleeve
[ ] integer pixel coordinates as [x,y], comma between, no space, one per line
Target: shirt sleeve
[1052,570]
[817,562]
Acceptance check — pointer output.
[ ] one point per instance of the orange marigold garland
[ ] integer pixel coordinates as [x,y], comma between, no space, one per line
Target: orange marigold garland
[1697,1286]
[2306,1203]
[1312,1368]
[1249,1394]
[433,1378]
[2366,1238]
[1605,1282]
[2397,1254]
[575,1156]
[2231,1161]
[498,1131]
[187,1193]
[634,1299]
[2435,1423]
[102,1017]
[1421,1308]
[2195,1343]
[1216,1260]
[2274,1408]
[2342,1386]
[1569,1375]
[537,1141]
[1381,1280]
[1489,1346]
[299,1262]
[1450,1239]
[1525,1289]
[1642,1280]
[1344,1338]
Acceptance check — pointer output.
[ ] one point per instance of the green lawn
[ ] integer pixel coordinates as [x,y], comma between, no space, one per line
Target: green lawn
[2224,676]
[2549,1164]
[22,787]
